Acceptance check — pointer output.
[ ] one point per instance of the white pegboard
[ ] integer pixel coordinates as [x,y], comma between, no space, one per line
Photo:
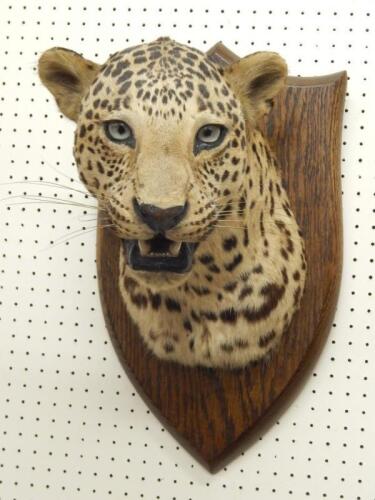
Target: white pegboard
[71,424]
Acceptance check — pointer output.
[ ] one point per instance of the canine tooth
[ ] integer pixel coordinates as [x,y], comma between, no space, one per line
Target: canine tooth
[174,248]
[144,247]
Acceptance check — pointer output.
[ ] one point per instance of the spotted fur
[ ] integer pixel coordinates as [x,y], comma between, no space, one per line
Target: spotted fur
[249,268]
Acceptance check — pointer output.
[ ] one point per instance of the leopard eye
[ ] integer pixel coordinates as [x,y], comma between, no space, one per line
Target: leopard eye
[209,136]
[120,132]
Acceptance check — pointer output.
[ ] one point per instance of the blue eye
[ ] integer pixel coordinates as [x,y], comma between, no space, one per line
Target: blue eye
[119,132]
[209,136]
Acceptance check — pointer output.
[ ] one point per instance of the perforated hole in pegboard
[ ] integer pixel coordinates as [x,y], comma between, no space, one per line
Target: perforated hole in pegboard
[71,424]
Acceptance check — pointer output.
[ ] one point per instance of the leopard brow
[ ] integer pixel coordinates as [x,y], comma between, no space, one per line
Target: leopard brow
[202,119]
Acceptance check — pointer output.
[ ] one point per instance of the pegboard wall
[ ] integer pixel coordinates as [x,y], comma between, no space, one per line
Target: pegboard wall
[71,424]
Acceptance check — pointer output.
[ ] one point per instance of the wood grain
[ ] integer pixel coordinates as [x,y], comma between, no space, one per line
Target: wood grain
[214,412]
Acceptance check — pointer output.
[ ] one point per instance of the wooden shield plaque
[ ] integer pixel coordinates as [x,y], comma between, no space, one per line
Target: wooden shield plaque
[210,411]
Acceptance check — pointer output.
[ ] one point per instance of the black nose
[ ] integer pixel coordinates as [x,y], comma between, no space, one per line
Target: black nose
[159,219]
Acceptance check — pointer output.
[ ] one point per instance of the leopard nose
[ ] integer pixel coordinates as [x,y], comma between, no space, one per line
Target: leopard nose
[159,219]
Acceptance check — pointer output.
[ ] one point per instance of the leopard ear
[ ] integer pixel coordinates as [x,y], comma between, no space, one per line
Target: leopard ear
[257,79]
[68,76]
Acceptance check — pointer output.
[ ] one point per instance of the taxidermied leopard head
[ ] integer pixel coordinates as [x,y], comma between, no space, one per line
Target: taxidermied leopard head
[162,142]
[212,265]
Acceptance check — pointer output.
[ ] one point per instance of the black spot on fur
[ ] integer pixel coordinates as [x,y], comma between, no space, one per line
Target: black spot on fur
[203,90]
[155,300]
[254,148]
[230,287]
[245,292]
[245,237]
[82,131]
[139,83]
[97,88]
[266,339]
[229,243]
[211,316]
[224,90]
[204,69]
[225,175]
[140,60]
[125,76]
[285,276]
[188,61]
[172,305]
[121,65]
[214,268]
[100,167]
[234,263]
[168,347]
[206,259]
[228,315]
[154,55]
[139,300]
[241,344]
[130,284]
[284,254]
[124,88]
[227,347]
[201,290]
[83,178]
[188,326]
[273,294]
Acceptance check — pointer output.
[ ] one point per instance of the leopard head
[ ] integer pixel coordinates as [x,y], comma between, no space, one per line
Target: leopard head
[162,142]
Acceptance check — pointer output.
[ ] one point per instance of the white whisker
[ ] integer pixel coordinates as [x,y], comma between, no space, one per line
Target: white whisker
[83,229]
[46,202]
[228,227]
[229,220]
[48,199]
[50,184]
[81,233]
[89,230]
[234,212]
[83,217]
[229,204]
[62,173]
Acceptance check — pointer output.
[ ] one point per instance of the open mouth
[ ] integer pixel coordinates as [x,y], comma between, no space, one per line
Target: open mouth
[159,254]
